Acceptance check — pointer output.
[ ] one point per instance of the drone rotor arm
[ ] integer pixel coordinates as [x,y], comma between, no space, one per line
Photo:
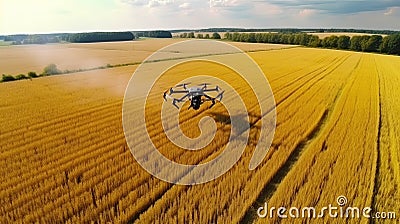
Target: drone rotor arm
[183,97]
[168,93]
[183,85]
[167,96]
[208,97]
[174,103]
[204,85]
[220,95]
[178,91]
[175,100]
[216,89]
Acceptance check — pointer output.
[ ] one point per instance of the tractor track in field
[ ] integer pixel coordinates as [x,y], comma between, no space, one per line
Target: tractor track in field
[332,66]
[378,149]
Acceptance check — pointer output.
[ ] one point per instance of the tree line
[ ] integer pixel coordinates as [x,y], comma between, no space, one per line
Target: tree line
[287,30]
[88,37]
[214,35]
[375,43]
[154,34]
[98,37]
[50,69]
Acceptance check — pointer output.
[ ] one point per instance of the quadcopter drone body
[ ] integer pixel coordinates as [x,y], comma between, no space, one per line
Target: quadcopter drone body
[196,95]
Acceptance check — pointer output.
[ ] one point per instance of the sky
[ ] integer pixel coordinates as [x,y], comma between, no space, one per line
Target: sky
[51,16]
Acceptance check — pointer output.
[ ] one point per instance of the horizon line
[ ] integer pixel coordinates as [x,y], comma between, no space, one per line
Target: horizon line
[198,29]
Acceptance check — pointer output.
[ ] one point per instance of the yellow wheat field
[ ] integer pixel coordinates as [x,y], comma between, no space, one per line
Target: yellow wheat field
[64,157]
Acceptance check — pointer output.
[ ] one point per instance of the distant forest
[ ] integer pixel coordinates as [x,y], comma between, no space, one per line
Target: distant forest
[154,34]
[89,37]
[98,37]
[69,37]
[389,44]
[289,30]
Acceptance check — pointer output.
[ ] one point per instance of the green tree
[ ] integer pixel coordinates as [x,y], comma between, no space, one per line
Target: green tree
[32,74]
[393,44]
[301,39]
[228,36]
[292,39]
[236,36]
[207,36]
[364,42]
[216,36]
[7,78]
[200,36]
[384,45]
[244,37]
[191,35]
[259,37]
[21,76]
[331,42]
[251,38]
[355,43]
[373,43]
[314,41]
[343,42]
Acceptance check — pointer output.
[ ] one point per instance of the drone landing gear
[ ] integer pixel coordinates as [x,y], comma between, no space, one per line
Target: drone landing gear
[209,98]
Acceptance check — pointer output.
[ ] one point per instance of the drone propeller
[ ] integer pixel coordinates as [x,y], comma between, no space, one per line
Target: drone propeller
[165,96]
[219,96]
[183,85]
[171,91]
[204,85]
[174,103]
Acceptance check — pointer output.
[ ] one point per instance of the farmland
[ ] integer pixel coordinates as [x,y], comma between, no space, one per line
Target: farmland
[64,155]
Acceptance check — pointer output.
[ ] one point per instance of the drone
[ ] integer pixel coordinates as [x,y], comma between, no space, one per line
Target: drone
[196,95]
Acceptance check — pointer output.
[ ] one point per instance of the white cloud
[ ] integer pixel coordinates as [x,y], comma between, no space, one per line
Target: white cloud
[226,3]
[135,2]
[148,3]
[155,3]
[186,8]
[216,3]
[307,12]
[392,11]
[338,7]
[185,5]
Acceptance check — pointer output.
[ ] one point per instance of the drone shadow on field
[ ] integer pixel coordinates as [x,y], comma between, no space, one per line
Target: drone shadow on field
[226,120]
